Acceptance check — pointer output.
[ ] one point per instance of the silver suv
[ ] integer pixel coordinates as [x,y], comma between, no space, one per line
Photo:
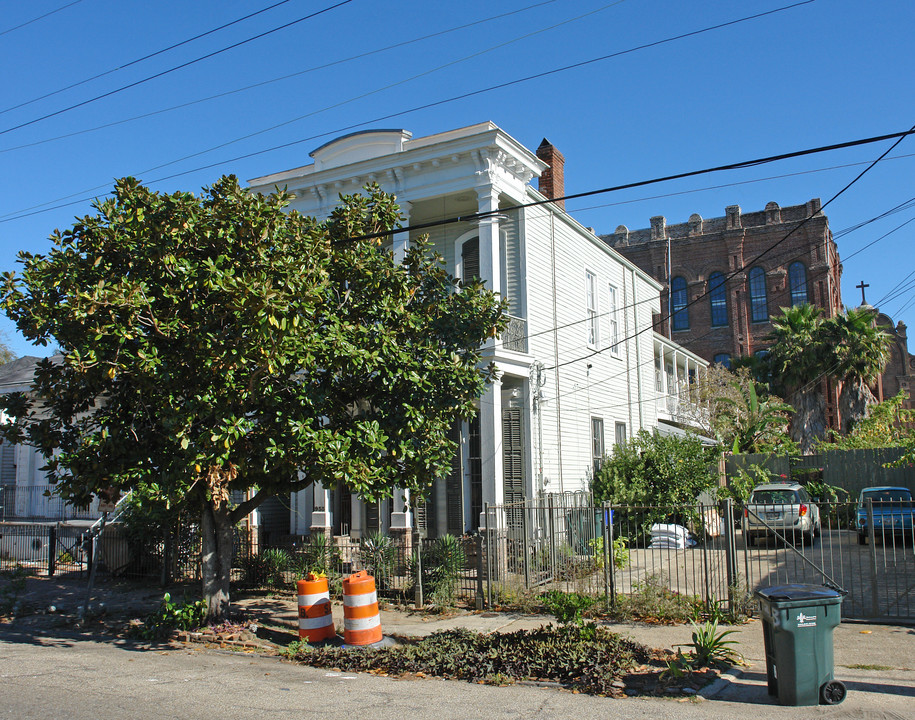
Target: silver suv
[783,508]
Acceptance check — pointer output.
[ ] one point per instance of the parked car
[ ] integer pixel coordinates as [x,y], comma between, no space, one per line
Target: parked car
[783,508]
[894,512]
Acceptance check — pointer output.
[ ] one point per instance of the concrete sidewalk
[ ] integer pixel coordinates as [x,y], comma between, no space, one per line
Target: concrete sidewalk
[868,658]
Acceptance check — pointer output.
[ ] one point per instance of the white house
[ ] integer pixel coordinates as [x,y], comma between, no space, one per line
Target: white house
[581,367]
[24,486]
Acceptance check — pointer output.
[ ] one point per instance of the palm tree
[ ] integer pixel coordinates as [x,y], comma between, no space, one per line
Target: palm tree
[799,357]
[755,425]
[861,351]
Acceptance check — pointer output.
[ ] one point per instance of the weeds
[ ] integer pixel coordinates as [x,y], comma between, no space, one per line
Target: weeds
[710,646]
[14,587]
[169,616]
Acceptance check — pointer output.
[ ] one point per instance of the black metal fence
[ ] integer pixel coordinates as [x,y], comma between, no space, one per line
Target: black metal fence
[566,543]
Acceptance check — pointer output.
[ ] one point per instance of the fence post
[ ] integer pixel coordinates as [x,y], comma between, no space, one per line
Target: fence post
[166,552]
[525,544]
[52,550]
[605,534]
[875,597]
[609,512]
[480,601]
[552,538]
[730,544]
[418,600]
[489,559]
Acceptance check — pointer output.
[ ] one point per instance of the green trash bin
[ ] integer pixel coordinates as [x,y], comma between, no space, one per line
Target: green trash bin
[798,621]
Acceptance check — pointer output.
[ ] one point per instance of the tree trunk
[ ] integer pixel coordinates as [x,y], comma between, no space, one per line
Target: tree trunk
[809,422]
[216,529]
[854,400]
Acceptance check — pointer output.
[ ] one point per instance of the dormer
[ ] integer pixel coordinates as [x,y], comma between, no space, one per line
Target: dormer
[359,146]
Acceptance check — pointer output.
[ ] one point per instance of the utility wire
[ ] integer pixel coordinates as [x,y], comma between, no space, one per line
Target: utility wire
[763,254]
[280,78]
[176,67]
[40,17]
[141,59]
[429,105]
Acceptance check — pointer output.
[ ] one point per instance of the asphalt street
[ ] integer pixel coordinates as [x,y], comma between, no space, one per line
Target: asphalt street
[59,677]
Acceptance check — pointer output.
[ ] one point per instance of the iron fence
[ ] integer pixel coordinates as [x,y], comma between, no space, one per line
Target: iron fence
[566,543]
[698,552]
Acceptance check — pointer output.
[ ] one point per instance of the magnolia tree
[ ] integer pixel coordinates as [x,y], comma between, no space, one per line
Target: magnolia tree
[219,343]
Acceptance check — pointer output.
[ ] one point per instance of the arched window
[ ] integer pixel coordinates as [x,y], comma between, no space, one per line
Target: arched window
[723,359]
[680,319]
[797,281]
[718,299]
[759,306]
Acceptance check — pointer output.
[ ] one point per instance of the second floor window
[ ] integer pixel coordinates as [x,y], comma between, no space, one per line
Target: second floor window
[678,311]
[718,299]
[591,307]
[723,359]
[597,443]
[797,281]
[613,325]
[759,305]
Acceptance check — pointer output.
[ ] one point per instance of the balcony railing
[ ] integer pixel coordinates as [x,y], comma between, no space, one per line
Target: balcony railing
[515,335]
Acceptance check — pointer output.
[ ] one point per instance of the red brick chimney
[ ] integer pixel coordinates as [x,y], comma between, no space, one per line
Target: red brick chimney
[552,181]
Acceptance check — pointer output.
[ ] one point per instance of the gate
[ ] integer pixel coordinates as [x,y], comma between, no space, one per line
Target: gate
[875,568]
[566,542]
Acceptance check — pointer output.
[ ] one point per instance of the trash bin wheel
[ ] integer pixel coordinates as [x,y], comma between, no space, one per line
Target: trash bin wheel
[832,693]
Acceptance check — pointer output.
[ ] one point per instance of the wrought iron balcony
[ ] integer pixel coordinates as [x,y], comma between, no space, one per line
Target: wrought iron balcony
[515,335]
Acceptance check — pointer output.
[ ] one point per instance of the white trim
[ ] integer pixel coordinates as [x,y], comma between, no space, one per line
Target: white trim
[360,600]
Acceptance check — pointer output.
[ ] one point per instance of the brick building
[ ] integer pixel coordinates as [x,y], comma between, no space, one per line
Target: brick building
[778,262]
[899,373]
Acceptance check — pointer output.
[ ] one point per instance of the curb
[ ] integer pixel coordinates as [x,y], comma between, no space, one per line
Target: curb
[715,688]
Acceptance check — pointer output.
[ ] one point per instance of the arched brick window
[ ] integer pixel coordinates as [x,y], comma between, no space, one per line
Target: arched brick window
[759,305]
[797,281]
[680,319]
[718,299]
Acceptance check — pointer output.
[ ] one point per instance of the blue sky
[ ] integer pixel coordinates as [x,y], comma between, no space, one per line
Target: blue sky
[819,73]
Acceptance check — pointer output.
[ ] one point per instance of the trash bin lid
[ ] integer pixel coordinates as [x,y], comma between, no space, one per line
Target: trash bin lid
[798,592]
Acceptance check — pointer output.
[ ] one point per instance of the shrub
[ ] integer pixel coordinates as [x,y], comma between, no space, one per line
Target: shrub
[567,607]
[588,659]
[267,568]
[186,615]
[442,565]
[378,558]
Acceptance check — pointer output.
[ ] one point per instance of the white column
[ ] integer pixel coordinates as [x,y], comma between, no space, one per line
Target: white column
[401,515]
[401,240]
[356,513]
[491,447]
[321,515]
[490,248]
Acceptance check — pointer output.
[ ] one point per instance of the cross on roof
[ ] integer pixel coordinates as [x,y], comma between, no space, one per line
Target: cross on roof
[861,287]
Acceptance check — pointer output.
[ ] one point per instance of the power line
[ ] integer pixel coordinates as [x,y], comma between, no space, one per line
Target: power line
[768,250]
[145,57]
[176,67]
[280,78]
[426,106]
[40,17]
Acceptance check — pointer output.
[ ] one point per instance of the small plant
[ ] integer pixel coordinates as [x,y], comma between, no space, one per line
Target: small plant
[378,558]
[653,600]
[620,552]
[186,615]
[710,646]
[14,587]
[294,648]
[442,564]
[267,568]
[567,608]
[319,555]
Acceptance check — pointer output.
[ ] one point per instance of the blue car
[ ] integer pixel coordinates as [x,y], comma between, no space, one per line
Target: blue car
[894,513]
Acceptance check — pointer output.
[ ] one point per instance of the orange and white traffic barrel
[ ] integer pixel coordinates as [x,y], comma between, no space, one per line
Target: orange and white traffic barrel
[316,622]
[361,621]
